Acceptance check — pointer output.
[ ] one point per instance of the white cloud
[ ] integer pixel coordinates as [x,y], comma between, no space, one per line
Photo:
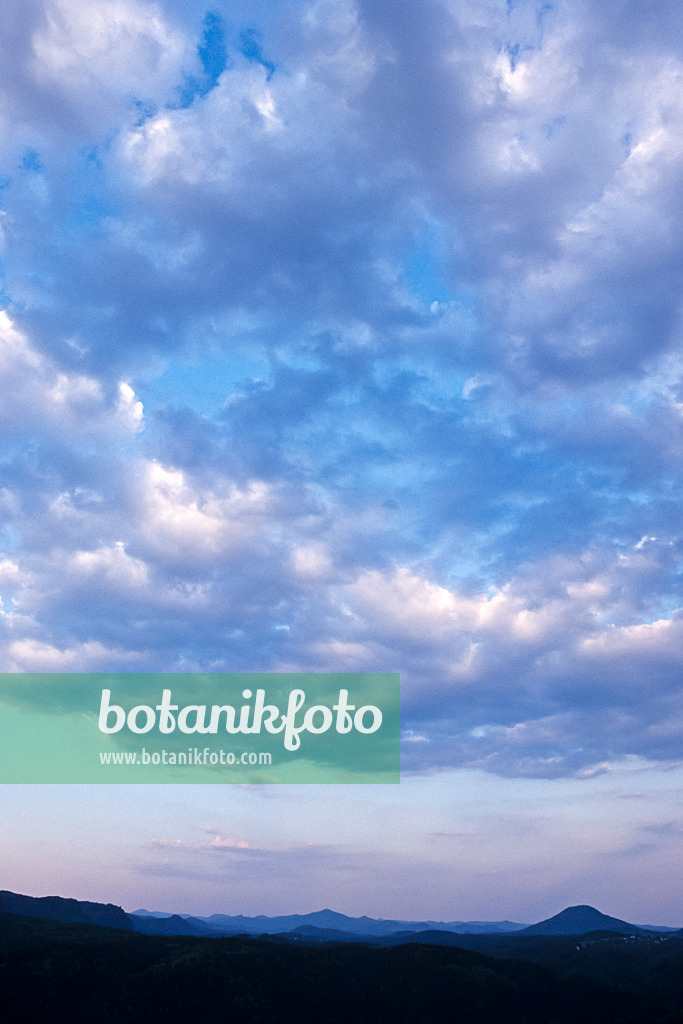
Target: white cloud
[112,566]
[114,48]
[128,407]
[214,141]
[39,396]
[10,574]
[185,521]
[90,656]
[228,842]
[655,642]
[312,561]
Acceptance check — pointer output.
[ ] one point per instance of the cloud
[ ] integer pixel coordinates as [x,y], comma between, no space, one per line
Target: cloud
[104,57]
[193,854]
[36,656]
[228,843]
[531,678]
[40,397]
[224,841]
[197,524]
[346,336]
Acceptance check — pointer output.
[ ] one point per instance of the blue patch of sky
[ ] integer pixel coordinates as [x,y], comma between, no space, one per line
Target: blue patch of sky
[438,388]
[213,53]
[31,162]
[307,362]
[512,53]
[554,125]
[91,196]
[514,4]
[671,603]
[213,56]
[10,539]
[91,157]
[545,10]
[251,49]
[92,209]
[637,399]
[204,385]
[5,297]
[144,111]
[515,51]
[32,174]
[424,267]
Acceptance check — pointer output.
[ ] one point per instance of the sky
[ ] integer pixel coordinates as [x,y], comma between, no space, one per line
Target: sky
[345,335]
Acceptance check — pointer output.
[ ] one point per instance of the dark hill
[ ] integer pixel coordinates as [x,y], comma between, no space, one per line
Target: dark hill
[579,921]
[57,908]
[64,973]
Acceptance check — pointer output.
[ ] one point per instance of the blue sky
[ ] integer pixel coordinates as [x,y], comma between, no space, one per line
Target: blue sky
[346,336]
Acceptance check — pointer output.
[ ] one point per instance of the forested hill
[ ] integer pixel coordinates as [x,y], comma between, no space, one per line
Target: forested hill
[50,971]
[59,908]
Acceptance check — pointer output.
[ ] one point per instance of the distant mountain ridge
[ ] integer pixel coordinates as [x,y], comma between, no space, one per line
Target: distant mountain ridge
[172,924]
[322,925]
[323,920]
[225,924]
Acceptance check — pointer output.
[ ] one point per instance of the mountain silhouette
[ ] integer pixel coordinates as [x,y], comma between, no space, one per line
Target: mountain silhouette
[578,921]
[57,908]
[225,924]
[171,924]
[321,924]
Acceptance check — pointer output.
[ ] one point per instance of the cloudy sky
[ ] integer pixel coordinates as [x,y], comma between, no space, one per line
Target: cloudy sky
[345,335]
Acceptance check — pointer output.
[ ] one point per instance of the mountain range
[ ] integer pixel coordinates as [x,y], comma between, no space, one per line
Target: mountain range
[224,924]
[63,960]
[323,925]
